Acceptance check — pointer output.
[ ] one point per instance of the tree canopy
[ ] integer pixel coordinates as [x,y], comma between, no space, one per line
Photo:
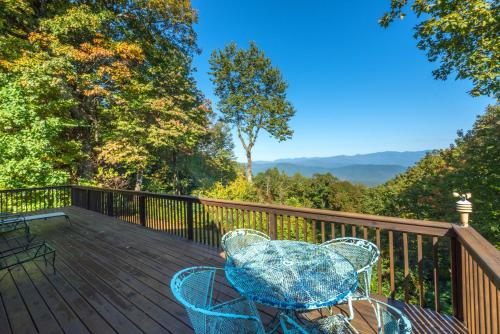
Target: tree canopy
[102,90]
[463,36]
[252,95]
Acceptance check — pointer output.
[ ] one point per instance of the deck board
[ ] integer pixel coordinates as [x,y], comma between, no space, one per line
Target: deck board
[113,277]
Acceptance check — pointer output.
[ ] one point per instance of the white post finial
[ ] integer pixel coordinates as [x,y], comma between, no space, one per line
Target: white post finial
[464,207]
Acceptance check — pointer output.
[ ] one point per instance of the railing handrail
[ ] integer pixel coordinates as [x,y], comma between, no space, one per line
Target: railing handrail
[135,192]
[34,188]
[483,251]
[433,228]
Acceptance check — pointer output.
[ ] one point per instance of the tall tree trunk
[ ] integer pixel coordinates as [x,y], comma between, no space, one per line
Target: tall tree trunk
[249,166]
[138,180]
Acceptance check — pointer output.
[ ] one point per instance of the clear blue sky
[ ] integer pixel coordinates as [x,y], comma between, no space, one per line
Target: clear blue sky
[357,88]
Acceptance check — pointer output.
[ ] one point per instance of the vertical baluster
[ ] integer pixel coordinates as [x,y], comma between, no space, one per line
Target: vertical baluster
[282,227]
[213,226]
[486,302]
[304,229]
[435,250]
[465,286]
[273,228]
[391,264]
[379,263]
[218,226]
[297,231]
[420,260]
[470,293]
[495,306]
[232,219]
[262,223]
[406,268]
[477,297]
[289,225]
[206,224]
[323,232]
[314,235]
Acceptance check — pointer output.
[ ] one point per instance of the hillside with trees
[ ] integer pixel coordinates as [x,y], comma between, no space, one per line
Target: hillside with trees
[102,92]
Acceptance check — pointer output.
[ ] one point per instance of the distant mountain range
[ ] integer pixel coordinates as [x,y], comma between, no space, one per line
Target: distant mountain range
[368,169]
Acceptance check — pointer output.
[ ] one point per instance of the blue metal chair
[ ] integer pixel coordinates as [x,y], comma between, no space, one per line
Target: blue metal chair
[391,320]
[363,255]
[193,288]
[236,240]
[337,324]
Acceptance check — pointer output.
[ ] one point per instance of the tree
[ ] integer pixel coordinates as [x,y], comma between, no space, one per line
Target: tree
[464,36]
[252,95]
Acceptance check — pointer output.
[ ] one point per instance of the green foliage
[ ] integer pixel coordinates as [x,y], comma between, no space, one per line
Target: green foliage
[471,165]
[252,95]
[102,91]
[464,36]
[237,190]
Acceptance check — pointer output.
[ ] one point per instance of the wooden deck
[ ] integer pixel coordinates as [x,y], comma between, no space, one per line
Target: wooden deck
[113,277]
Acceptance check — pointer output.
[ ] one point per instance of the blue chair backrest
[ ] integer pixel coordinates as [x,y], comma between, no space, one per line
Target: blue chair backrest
[193,287]
[237,240]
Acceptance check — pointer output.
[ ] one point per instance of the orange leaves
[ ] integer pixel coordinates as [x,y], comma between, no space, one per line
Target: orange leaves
[92,52]
[5,64]
[95,90]
[129,51]
[119,152]
[100,50]
[41,38]
[118,72]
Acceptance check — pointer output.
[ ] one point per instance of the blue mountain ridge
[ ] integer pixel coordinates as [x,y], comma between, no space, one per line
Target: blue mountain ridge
[369,169]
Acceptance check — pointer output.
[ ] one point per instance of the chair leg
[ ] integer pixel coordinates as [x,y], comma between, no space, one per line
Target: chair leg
[54,262]
[351,309]
[367,278]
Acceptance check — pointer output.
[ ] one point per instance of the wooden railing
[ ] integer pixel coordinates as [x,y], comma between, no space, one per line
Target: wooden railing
[477,281]
[34,199]
[436,265]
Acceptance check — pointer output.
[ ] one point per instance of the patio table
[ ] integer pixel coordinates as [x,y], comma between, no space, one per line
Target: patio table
[291,275]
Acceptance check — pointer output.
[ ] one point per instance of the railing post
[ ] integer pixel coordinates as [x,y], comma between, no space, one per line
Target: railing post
[142,210]
[87,204]
[109,201]
[73,196]
[273,226]
[189,219]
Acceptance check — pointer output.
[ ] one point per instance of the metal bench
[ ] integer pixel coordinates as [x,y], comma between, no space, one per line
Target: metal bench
[29,252]
[45,216]
[11,222]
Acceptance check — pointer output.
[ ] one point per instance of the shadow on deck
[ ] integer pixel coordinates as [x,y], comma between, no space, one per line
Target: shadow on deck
[114,277]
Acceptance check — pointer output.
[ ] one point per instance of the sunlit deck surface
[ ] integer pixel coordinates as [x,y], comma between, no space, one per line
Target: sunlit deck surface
[113,277]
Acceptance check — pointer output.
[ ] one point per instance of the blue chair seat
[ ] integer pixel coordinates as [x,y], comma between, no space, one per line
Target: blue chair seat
[337,324]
